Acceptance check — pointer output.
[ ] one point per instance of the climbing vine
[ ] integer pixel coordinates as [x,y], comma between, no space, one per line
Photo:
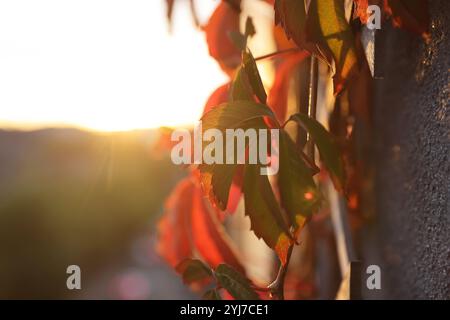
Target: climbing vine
[192,237]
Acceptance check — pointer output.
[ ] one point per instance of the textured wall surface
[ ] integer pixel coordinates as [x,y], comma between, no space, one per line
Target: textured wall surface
[412,128]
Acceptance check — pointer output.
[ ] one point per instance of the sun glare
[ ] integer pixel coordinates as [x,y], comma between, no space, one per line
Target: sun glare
[102,64]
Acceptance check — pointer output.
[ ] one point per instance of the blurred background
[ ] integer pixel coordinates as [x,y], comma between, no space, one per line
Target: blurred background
[76,197]
[83,88]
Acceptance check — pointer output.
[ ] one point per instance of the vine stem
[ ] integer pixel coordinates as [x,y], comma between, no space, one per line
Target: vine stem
[273,54]
[312,106]
[277,287]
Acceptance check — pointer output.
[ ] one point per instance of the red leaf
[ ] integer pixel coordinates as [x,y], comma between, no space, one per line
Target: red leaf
[278,94]
[224,20]
[361,10]
[209,236]
[174,242]
[190,225]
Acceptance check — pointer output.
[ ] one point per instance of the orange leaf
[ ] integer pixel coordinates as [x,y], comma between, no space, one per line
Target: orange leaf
[209,236]
[190,225]
[361,10]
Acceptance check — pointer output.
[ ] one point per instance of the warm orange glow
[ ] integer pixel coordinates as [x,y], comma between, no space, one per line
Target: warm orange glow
[103,65]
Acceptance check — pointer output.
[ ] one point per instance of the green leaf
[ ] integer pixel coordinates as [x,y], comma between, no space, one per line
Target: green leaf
[238,39]
[217,178]
[250,30]
[193,270]
[261,206]
[243,114]
[328,149]
[328,27]
[247,81]
[240,87]
[216,182]
[234,115]
[212,294]
[263,209]
[253,76]
[235,283]
[299,194]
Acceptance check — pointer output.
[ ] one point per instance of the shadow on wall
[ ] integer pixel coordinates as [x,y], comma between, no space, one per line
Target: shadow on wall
[412,127]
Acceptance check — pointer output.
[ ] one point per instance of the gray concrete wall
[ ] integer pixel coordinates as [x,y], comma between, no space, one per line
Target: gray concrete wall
[412,146]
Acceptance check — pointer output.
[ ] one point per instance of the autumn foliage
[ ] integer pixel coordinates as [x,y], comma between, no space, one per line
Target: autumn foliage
[192,237]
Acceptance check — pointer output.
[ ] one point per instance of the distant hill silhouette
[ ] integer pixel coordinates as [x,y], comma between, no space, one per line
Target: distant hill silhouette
[69,196]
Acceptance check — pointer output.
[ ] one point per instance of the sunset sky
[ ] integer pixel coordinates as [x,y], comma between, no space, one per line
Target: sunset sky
[102,64]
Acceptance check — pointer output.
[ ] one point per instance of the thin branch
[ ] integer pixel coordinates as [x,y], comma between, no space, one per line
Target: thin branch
[277,287]
[312,107]
[273,54]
